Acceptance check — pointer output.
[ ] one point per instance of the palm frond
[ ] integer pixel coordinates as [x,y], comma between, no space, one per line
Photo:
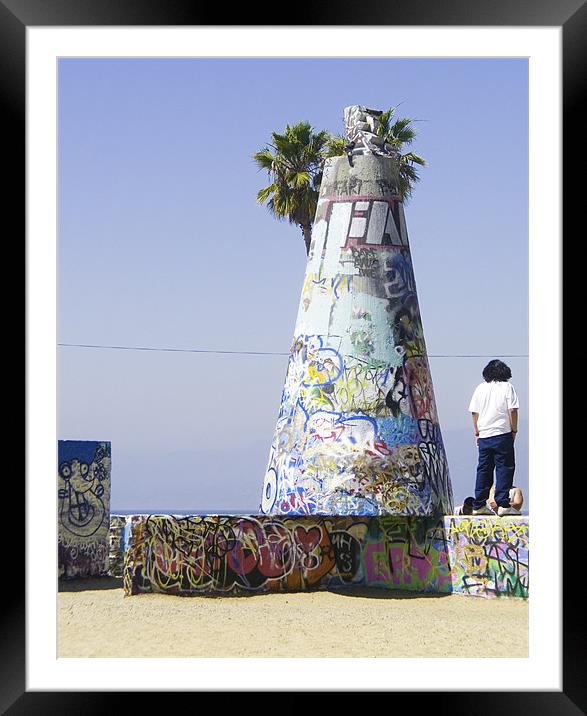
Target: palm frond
[414,158]
[265,159]
[300,179]
[335,146]
[384,121]
[295,162]
[265,194]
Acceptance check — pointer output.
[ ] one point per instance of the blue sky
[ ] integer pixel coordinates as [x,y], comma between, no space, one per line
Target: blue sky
[162,244]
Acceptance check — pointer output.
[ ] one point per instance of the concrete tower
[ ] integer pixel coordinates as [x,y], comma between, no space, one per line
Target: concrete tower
[357,431]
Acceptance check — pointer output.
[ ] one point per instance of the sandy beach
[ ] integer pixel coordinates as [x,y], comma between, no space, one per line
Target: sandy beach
[97,620]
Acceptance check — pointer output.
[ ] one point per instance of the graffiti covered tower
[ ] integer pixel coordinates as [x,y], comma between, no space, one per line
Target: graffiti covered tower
[358,431]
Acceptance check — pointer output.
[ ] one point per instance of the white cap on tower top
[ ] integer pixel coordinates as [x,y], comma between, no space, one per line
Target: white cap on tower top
[361,128]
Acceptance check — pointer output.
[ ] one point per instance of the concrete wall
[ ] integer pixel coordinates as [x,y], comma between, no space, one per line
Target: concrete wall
[357,431]
[116,545]
[83,507]
[479,556]
[488,555]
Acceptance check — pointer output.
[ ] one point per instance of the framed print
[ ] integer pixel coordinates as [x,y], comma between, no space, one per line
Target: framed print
[35,37]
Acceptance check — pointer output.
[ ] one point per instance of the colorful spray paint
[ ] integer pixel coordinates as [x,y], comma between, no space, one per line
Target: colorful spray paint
[116,545]
[357,489]
[234,555]
[358,430]
[83,497]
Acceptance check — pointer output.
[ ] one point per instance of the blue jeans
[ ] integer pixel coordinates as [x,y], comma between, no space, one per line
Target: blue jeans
[495,453]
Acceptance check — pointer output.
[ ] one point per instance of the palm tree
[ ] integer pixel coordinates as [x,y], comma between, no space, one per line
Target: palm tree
[294,162]
[398,133]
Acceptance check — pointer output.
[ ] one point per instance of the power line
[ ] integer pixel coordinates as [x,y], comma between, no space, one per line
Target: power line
[171,350]
[261,353]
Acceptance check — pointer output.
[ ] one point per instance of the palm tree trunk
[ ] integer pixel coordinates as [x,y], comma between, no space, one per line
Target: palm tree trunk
[307,234]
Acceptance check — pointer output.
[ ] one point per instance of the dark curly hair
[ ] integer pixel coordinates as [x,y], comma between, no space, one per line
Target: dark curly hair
[496,370]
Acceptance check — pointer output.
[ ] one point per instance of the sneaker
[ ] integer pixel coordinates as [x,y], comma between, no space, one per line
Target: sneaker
[483,511]
[501,511]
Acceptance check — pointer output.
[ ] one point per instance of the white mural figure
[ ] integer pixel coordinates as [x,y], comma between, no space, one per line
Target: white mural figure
[358,432]
[83,497]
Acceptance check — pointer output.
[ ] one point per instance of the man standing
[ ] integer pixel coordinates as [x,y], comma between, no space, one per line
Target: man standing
[494,407]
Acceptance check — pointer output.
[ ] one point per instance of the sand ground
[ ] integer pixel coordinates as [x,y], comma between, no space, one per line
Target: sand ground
[97,620]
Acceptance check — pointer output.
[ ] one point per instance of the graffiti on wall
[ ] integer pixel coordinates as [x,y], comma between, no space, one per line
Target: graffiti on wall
[259,554]
[117,545]
[357,430]
[489,557]
[251,554]
[83,496]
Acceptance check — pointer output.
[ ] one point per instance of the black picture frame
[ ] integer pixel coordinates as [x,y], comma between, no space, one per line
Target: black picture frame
[570,15]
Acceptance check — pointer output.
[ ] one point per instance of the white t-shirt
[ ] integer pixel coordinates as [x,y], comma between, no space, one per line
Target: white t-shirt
[492,402]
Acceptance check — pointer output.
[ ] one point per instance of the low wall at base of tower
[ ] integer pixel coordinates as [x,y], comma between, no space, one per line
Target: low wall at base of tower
[247,554]
[117,545]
